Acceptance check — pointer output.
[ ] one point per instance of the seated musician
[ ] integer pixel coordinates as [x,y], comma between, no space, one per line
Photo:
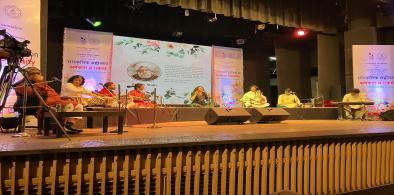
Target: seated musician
[199,97]
[139,96]
[74,89]
[254,98]
[289,99]
[108,89]
[51,97]
[355,111]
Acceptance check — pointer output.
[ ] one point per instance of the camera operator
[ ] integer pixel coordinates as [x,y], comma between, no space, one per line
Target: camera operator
[51,97]
[4,54]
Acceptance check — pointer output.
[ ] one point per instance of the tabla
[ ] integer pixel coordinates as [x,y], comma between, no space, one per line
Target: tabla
[97,101]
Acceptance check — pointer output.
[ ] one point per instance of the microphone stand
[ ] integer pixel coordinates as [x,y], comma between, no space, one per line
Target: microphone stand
[154,124]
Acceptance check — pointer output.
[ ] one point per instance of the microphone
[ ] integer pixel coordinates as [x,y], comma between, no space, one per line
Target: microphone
[130,86]
[56,79]
[101,84]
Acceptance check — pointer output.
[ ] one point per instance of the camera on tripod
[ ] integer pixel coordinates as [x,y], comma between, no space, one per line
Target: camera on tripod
[16,48]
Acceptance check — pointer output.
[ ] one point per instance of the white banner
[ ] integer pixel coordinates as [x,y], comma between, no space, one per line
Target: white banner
[21,19]
[175,69]
[227,76]
[373,73]
[87,53]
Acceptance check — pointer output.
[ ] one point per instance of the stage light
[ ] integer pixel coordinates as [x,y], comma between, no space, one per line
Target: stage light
[272,58]
[300,33]
[94,22]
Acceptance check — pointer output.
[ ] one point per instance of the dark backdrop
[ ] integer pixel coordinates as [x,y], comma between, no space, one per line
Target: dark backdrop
[152,21]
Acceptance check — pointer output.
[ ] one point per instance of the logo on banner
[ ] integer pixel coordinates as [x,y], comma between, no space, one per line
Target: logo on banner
[380,57]
[88,40]
[12,11]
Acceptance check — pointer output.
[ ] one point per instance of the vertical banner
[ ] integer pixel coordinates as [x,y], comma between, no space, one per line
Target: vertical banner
[21,19]
[87,53]
[227,76]
[174,69]
[373,74]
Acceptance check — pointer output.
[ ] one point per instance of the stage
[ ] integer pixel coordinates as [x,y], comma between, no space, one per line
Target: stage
[307,156]
[192,133]
[184,114]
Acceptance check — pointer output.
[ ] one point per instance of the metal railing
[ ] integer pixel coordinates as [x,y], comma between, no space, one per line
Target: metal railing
[325,166]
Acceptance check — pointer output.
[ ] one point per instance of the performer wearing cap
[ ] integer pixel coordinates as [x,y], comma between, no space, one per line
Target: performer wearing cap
[289,99]
[51,97]
[254,98]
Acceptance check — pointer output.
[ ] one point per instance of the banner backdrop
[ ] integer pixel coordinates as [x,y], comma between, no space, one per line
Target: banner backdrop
[87,53]
[373,73]
[227,76]
[21,19]
[175,69]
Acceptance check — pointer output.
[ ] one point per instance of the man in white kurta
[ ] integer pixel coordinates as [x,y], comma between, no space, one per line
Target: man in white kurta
[288,99]
[355,111]
[254,98]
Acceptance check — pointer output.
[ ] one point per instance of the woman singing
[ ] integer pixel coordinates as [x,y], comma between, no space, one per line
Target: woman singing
[199,97]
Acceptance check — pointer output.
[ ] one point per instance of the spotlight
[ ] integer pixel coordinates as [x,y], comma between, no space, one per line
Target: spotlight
[272,58]
[300,33]
[94,22]
[177,34]
[240,41]
[212,20]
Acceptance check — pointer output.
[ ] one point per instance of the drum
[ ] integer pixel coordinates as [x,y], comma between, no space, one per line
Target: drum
[97,101]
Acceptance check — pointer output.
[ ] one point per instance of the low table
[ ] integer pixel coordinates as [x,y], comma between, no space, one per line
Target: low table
[105,114]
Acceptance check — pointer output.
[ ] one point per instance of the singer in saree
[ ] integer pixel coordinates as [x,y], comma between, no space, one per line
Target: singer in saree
[51,97]
[289,99]
[108,89]
[199,97]
[140,97]
[254,98]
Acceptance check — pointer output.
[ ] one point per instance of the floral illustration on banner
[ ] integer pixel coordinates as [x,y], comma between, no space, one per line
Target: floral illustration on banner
[144,47]
[171,93]
[175,50]
[180,53]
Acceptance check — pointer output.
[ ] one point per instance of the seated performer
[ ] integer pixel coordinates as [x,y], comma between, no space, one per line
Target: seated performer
[51,97]
[254,98]
[139,96]
[199,97]
[74,89]
[355,111]
[288,99]
[108,89]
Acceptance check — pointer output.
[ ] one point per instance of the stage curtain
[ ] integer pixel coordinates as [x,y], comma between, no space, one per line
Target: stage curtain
[311,14]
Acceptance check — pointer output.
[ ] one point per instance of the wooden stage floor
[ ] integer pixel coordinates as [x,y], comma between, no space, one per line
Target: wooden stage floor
[192,133]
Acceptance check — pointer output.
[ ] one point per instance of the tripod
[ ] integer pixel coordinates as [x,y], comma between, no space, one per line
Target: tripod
[6,81]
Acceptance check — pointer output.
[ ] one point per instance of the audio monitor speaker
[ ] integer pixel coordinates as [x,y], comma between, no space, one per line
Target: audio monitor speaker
[224,116]
[388,115]
[261,115]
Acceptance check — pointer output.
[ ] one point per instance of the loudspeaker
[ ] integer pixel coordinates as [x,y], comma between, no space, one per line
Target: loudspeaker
[260,115]
[388,115]
[215,116]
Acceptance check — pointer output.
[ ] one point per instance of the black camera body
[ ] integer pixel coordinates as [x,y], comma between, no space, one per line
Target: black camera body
[17,48]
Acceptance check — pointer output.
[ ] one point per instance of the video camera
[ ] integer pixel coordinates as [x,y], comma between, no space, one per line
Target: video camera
[16,48]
